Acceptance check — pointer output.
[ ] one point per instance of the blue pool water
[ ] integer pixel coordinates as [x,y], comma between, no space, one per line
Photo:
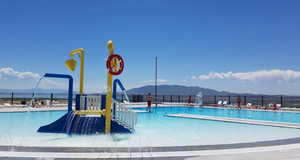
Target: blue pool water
[288,117]
[152,129]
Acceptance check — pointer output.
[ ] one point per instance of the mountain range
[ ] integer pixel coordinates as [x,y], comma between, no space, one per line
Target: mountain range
[176,90]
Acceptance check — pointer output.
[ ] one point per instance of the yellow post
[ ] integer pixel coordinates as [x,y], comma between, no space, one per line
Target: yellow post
[81,73]
[71,64]
[109,93]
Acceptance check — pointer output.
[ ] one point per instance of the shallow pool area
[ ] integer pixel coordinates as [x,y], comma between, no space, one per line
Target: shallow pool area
[152,129]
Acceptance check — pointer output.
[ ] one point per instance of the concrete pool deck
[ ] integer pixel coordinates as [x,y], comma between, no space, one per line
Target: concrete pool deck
[62,107]
[30,109]
[58,107]
[278,152]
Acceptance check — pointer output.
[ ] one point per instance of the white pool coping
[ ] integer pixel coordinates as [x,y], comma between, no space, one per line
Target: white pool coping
[64,107]
[30,109]
[273,152]
[238,120]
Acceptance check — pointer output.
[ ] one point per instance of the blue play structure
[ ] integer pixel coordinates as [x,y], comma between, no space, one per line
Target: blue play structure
[94,113]
[88,116]
[70,90]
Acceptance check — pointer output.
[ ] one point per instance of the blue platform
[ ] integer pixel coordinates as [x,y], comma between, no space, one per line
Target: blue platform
[75,124]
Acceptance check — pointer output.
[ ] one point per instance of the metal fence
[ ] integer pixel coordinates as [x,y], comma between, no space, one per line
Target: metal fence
[25,98]
[285,101]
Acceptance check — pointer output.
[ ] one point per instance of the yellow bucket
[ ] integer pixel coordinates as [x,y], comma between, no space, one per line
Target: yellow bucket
[71,64]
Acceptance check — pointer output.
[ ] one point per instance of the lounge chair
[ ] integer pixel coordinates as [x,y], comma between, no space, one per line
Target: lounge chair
[220,103]
[250,106]
[276,106]
[7,104]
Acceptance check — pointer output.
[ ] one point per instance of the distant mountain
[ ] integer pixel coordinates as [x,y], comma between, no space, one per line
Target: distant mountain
[176,90]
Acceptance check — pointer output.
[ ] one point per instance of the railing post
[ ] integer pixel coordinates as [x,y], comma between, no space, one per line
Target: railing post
[33,102]
[281,101]
[229,100]
[215,99]
[262,101]
[171,99]
[77,104]
[245,100]
[51,99]
[189,99]
[178,99]
[122,97]
[12,98]
[163,99]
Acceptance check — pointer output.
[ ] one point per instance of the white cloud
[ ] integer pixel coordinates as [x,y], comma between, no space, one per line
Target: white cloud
[158,81]
[7,73]
[275,74]
[4,72]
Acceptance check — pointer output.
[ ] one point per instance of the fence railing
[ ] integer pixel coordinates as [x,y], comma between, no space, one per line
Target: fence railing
[90,102]
[25,98]
[123,115]
[285,101]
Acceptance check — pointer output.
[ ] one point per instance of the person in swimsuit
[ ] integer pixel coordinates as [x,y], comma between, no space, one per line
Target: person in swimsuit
[149,102]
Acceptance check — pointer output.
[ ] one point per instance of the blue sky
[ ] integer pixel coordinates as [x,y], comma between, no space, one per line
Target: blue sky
[239,46]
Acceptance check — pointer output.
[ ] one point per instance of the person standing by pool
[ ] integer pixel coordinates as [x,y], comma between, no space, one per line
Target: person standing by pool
[149,102]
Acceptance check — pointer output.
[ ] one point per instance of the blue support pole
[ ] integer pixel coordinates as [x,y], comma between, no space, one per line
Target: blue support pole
[70,90]
[115,83]
[77,102]
[103,101]
[85,103]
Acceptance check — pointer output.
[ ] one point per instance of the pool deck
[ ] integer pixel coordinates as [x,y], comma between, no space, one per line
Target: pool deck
[279,152]
[61,107]
[30,109]
[237,120]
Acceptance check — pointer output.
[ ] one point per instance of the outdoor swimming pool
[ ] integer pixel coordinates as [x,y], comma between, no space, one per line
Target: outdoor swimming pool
[152,129]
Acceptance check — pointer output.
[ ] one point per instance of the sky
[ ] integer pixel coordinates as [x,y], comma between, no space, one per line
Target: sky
[237,46]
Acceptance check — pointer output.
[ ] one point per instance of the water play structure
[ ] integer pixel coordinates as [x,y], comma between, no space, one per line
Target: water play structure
[94,113]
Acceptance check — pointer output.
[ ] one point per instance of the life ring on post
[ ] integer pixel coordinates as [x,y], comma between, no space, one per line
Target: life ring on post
[115,64]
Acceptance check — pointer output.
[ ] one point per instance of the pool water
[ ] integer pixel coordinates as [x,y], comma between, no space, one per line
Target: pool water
[289,117]
[152,129]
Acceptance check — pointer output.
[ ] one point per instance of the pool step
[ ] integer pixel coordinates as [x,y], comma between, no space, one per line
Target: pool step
[238,120]
[72,123]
